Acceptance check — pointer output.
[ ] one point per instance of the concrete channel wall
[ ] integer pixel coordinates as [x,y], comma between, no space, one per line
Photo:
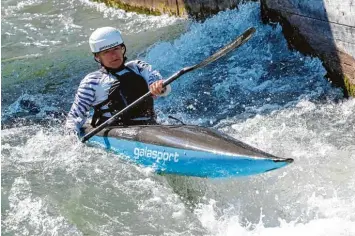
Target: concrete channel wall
[183,8]
[321,28]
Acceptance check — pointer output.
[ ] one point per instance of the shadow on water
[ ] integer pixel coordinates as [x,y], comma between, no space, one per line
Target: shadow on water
[319,28]
[190,189]
[201,10]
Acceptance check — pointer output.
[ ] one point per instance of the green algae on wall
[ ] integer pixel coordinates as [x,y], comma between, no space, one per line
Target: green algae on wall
[199,9]
[130,8]
[350,87]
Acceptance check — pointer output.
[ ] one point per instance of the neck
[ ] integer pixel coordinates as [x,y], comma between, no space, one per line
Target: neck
[113,70]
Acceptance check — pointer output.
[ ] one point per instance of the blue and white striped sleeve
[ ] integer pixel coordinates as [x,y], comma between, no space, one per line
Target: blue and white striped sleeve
[148,73]
[84,99]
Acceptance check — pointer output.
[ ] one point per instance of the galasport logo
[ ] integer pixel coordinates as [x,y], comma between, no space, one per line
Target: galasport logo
[154,154]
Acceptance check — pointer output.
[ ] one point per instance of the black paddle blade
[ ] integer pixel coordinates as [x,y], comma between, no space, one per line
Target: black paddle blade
[220,53]
[228,48]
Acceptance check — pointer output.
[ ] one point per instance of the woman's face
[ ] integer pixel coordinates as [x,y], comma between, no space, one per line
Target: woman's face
[112,58]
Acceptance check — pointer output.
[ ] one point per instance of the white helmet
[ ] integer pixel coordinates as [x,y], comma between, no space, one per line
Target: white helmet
[104,38]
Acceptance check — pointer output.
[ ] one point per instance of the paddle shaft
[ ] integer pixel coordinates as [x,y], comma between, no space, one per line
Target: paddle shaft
[231,46]
[139,100]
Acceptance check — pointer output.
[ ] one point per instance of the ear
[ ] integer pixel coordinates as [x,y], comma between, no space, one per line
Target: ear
[97,58]
[124,48]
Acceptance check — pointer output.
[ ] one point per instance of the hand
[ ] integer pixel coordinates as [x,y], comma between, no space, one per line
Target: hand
[156,88]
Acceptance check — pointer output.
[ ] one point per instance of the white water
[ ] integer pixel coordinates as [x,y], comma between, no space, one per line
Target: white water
[263,94]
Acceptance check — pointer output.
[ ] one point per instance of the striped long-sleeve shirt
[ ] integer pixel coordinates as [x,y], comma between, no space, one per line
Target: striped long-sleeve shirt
[94,89]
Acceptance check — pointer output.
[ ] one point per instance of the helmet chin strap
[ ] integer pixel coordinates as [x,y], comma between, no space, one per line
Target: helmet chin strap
[113,70]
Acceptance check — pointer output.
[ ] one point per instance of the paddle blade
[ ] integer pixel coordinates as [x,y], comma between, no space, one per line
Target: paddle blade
[228,48]
[220,53]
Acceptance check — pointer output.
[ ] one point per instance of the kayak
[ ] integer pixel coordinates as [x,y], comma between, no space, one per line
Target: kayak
[186,150]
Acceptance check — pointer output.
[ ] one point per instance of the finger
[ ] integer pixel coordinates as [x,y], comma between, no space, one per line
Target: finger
[157,87]
[160,86]
[153,89]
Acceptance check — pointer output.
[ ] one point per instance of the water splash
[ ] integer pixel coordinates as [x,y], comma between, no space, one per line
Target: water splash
[259,77]
[30,215]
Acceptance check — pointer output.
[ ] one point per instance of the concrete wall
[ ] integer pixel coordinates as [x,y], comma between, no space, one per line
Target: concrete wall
[171,7]
[323,28]
[183,8]
[203,8]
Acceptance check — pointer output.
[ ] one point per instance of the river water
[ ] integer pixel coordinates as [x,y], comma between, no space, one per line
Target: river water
[263,94]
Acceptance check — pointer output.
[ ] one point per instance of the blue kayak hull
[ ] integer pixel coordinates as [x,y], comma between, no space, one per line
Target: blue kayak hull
[185,153]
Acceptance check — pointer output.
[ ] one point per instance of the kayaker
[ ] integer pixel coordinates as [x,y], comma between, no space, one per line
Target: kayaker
[115,85]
